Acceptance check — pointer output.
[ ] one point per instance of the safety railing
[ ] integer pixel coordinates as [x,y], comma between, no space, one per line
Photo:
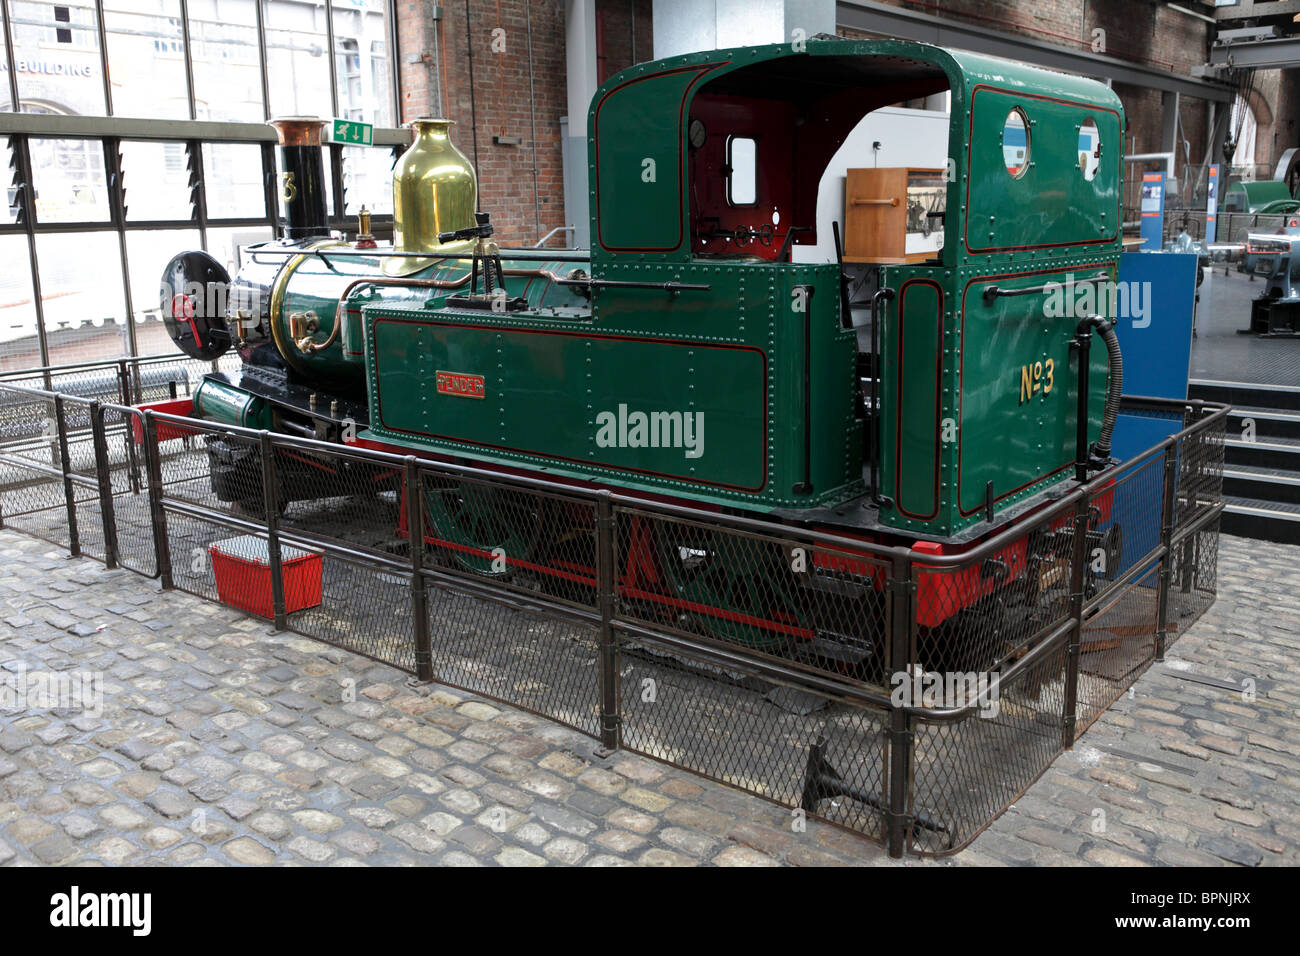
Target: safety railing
[908,693]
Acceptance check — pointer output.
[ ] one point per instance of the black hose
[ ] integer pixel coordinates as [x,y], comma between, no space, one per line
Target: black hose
[1113,392]
[1115,362]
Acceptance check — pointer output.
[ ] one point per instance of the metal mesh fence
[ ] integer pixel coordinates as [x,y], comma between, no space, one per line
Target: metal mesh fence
[1200,474]
[1117,643]
[122,458]
[329,496]
[907,693]
[784,598]
[966,771]
[1193,579]
[349,604]
[34,502]
[524,655]
[742,727]
[526,540]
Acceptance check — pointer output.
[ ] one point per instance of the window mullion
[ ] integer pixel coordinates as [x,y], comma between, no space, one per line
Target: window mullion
[103,57]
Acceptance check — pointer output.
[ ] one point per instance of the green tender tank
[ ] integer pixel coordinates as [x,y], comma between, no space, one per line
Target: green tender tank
[218,402]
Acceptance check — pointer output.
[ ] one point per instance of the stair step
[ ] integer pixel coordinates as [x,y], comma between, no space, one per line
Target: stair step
[1269,422]
[1264,484]
[1282,454]
[1263,520]
[1280,397]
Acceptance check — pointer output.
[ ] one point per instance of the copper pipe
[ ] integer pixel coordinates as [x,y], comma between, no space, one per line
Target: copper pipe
[340,310]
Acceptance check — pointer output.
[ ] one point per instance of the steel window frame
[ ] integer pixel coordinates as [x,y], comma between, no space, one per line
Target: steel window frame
[110,131]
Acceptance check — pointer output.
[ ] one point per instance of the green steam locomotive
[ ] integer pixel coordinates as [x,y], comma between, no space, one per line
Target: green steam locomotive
[689,356]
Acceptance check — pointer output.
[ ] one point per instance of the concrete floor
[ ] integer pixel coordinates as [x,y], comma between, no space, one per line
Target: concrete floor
[1219,353]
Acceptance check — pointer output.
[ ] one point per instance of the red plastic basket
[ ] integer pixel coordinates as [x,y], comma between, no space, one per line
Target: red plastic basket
[166,430]
[243,572]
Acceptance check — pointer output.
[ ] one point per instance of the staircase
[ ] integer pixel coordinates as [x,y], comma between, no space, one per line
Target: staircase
[1261,477]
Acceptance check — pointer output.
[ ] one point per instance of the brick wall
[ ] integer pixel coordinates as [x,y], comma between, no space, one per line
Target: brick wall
[1146,33]
[498,35]
[1139,32]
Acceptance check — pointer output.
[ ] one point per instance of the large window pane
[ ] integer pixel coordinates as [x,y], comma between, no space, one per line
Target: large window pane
[157,181]
[70,182]
[368,179]
[81,292]
[361,61]
[232,177]
[19,345]
[146,58]
[57,49]
[224,244]
[6,100]
[148,251]
[227,64]
[297,59]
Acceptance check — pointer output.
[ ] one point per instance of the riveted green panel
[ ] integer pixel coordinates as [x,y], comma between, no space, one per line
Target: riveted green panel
[670,409]
[1051,203]
[638,161]
[912,436]
[732,356]
[1017,402]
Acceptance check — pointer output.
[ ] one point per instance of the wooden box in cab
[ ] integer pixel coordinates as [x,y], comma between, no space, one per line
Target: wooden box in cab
[893,215]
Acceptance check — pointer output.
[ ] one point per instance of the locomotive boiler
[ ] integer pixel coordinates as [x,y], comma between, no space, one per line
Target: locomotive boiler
[929,401]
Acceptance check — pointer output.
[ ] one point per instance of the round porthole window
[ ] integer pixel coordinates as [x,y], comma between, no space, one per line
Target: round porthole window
[1015,143]
[1089,149]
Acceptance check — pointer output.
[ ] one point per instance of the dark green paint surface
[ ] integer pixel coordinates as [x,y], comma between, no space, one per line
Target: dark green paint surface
[775,382]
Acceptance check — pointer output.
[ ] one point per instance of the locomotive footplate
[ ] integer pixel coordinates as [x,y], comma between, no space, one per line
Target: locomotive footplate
[861,514]
[236,467]
[332,410]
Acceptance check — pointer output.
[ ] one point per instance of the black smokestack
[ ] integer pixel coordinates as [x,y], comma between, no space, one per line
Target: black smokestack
[302,176]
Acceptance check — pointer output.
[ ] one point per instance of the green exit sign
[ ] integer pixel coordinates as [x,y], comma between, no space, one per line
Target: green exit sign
[354,134]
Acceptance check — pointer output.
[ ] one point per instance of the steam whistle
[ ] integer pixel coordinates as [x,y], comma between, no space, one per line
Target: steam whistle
[364,239]
[487,260]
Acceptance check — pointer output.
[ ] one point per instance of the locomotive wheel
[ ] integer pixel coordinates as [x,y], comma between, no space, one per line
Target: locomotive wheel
[481,528]
[738,590]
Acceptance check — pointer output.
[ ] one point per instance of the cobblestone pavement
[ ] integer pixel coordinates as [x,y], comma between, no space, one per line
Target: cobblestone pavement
[221,742]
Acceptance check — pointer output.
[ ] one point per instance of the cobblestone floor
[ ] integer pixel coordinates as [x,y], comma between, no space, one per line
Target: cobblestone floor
[221,742]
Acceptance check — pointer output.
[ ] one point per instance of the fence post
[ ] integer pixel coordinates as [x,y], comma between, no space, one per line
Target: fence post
[414,487]
[65,466]
[609,702]
[270,505]
[124,382]
[104,476]
[124,387]
[157,515]
[901,614]
[1078,572]
[1168,504]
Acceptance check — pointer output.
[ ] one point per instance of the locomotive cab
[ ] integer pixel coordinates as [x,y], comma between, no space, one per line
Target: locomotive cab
[719,156]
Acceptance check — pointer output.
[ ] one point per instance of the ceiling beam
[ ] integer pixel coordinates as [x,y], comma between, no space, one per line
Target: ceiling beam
[1259,54]
[885,20]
